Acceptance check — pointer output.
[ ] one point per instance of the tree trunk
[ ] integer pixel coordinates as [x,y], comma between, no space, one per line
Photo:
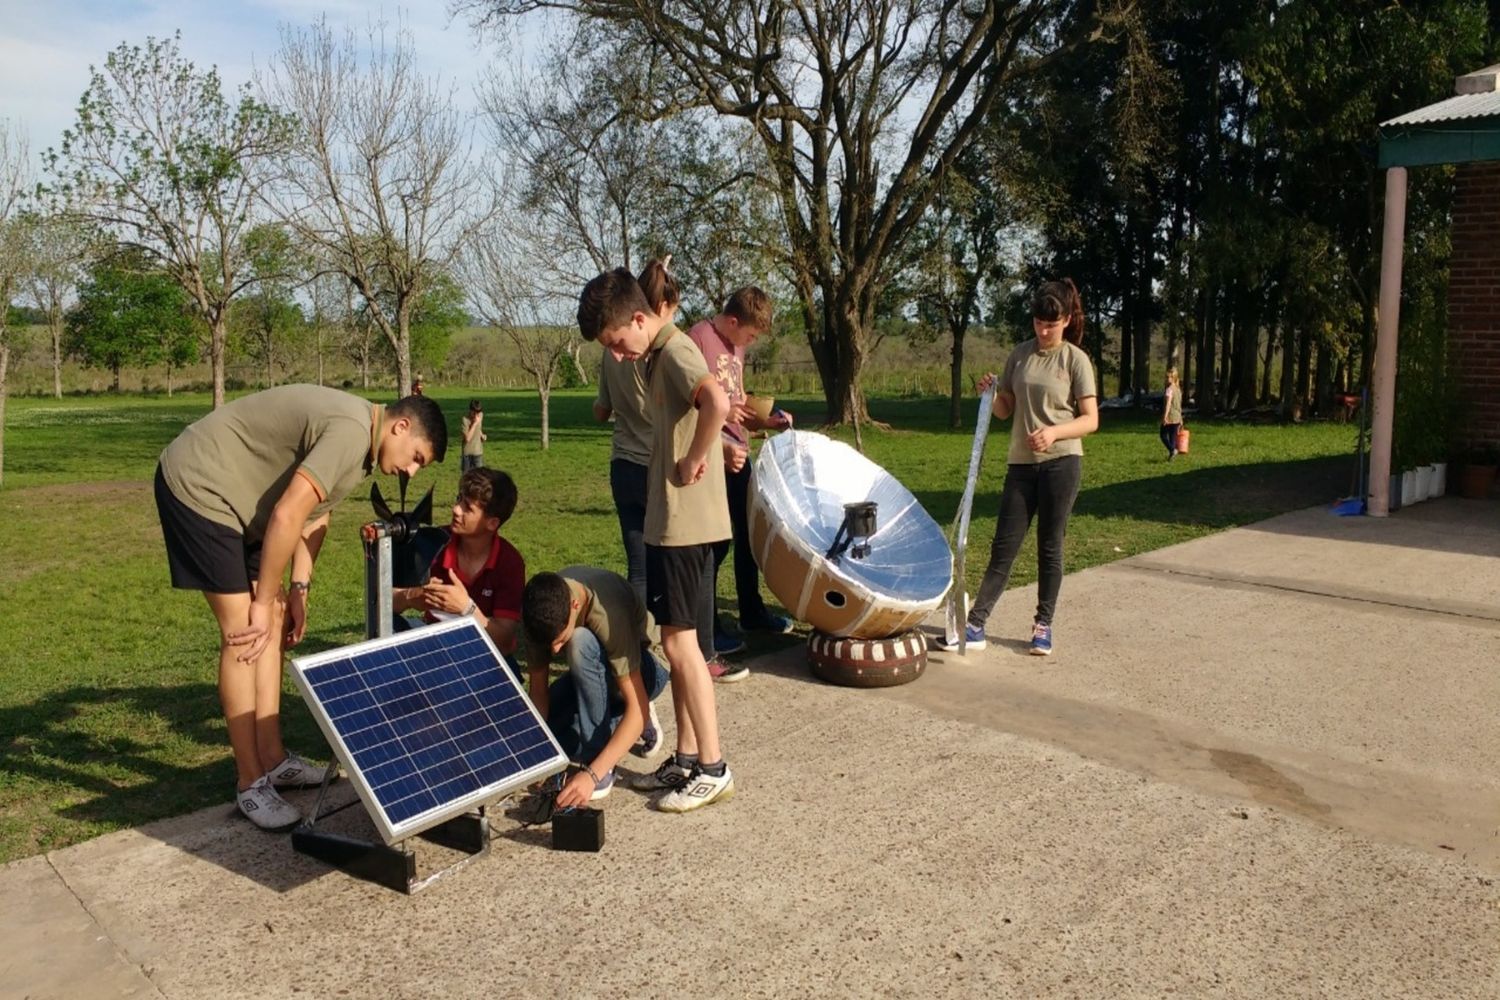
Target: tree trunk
[1265,371]
[57,333]
[403,350]
[1207,404]
[1249,345]
[1304,368]
[1127,355]
[1141,327]
[115,388]
[216,339]
[956,377]
[1323,378]
[1288,371]
[4,369]
[544,391]
[320,355]
[838,347]
[169,380]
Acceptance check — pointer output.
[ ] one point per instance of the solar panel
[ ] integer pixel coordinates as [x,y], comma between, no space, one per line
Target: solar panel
[427,724]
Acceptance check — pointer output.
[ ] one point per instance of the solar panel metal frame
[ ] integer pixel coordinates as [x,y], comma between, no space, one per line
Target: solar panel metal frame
[393,832]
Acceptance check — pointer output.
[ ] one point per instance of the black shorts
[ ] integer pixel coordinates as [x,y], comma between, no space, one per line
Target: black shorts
[203,554]
[675,577]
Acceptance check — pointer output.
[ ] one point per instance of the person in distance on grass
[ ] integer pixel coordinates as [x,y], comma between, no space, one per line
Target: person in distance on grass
[686,514]
[723,340]
[244,494]
[1048,385]
[478,572]
[593,618]
[472,455]
[1171,413]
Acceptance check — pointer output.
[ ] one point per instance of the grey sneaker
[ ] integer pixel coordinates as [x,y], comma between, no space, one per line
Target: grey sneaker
[651,735]
[669,775]
[701,789]
[294,772]
[267,810]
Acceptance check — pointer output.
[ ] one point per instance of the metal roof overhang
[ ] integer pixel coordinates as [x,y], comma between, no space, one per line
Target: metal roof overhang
[1463,129]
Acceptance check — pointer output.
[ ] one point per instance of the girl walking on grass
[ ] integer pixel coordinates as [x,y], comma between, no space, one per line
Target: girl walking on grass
[1047,385]
[1171,413]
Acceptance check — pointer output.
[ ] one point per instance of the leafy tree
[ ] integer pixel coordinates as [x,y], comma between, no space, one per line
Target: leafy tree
[438,315]
[269,321]
[858,108]
[162,160]
[131,313]
[58,245]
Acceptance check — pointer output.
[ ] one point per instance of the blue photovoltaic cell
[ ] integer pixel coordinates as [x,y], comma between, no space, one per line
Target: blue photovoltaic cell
[429,720]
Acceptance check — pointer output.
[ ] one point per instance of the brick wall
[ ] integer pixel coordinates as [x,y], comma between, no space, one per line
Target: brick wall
[1474,300]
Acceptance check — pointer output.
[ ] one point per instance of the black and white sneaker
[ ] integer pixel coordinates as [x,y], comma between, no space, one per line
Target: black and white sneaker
[700,790]
[294,772]
[669,775]
[267,810]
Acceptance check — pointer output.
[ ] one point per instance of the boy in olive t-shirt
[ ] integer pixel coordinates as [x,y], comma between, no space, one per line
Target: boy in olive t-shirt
[595,621]
[244,493]
[686,514]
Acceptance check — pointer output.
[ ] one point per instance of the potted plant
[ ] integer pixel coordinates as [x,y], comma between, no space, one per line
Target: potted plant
[1477,475]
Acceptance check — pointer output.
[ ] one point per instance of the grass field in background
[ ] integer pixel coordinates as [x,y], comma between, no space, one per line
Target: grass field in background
[109,711]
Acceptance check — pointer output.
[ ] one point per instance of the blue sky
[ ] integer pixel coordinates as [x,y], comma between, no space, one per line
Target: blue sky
[47,46]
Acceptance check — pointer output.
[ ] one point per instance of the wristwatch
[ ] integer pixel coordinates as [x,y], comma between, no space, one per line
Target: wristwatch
[302,585]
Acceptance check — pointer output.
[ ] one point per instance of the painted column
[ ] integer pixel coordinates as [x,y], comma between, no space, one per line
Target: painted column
[1383,417]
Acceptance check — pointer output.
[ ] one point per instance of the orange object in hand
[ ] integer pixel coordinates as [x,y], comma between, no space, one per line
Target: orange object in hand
[1183,437]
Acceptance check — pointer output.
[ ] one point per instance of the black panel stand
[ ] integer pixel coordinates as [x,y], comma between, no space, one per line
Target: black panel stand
[394,867]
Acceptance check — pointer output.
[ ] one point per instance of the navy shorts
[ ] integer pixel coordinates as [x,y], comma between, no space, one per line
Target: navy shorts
[203,554]
[675,577]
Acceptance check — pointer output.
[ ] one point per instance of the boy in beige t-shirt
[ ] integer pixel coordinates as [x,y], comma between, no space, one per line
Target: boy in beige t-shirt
[686,514]
[243,494]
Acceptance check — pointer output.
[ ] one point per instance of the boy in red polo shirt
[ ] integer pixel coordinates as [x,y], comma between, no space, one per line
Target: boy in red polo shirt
[477,573]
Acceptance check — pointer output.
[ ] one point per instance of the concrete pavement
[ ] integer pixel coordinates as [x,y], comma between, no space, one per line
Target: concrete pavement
[1260,764]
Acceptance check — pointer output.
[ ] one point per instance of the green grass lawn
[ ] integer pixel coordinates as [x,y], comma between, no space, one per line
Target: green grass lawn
[108,704]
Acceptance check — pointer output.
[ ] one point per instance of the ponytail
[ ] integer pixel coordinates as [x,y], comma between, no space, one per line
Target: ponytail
[660,285]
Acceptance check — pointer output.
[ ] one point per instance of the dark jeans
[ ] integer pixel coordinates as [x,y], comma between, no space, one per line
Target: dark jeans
[467,462]
[584,705]
[1169,437]
[627,481]
[1046,491]
[746,573]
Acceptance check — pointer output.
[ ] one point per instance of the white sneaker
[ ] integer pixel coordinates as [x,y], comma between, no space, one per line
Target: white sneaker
[701,790]
[294,772]
[267,810]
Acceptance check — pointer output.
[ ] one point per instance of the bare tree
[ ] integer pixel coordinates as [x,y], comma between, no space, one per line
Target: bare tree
[606,187]
[378,185]
[496,271]
[163,161]
[860,108]
[58,244]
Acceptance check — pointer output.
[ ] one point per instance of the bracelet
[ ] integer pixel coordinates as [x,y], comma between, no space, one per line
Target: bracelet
[591,774]
[473,607]
[302,585]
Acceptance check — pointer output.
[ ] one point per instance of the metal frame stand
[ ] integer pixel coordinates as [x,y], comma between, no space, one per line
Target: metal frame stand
[393,866]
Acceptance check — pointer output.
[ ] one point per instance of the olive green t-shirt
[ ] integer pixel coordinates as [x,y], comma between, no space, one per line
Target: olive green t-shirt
[611,610]
[1047,386]
[1174,404]
[233,465]
[622,389]
[675,514]
[475,445]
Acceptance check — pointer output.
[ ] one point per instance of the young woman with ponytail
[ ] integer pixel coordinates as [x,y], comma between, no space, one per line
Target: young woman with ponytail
[1047,384]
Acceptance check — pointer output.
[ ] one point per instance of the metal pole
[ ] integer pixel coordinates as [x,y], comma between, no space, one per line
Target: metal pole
[1383,421]
[378,599]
